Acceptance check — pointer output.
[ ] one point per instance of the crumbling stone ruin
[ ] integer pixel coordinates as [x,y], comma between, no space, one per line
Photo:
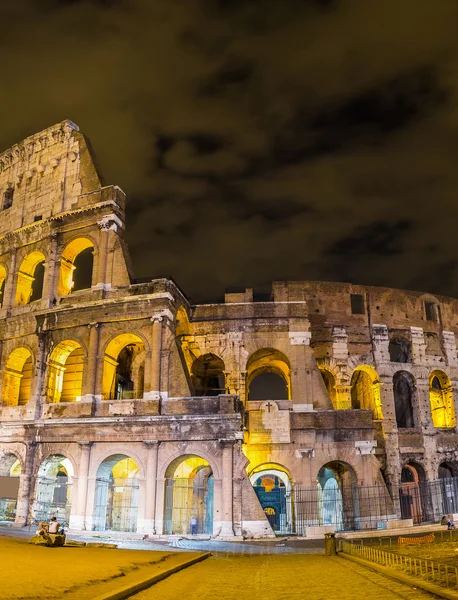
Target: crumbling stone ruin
[126,408]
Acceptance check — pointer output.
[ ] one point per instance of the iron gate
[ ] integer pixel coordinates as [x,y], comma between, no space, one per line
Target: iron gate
[116,504]
[53,499]
[185,499]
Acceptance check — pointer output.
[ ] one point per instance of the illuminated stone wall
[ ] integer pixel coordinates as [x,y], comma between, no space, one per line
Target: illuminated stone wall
[324,373]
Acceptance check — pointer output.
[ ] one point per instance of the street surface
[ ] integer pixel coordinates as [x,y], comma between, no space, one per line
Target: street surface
[279,576]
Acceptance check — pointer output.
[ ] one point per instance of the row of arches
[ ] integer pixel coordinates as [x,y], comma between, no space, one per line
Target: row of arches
[123,371]
[366,394]
[76,266]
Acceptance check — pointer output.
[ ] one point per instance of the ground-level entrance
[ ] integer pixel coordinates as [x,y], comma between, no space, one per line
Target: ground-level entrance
[274,491]
[189,495]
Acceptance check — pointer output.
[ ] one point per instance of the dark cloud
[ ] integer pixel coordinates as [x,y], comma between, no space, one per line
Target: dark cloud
[256,140]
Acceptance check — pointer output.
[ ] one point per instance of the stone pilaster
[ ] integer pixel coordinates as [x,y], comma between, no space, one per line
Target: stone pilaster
[77,520]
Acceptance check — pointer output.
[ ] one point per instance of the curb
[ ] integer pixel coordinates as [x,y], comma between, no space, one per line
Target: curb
[426,586]
[129,590]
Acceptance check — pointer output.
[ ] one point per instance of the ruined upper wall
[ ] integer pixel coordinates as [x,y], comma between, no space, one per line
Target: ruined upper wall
[48,173]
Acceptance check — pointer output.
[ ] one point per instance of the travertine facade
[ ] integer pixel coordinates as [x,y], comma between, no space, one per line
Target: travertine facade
[125,408]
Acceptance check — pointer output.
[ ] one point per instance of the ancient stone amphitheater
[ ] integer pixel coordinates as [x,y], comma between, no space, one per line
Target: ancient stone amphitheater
[125,408]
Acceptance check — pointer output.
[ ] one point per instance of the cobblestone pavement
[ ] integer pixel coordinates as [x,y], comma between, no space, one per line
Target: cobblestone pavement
[291,577]
[278,546]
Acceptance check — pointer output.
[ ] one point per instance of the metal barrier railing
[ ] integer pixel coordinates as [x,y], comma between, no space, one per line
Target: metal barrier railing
[429,570]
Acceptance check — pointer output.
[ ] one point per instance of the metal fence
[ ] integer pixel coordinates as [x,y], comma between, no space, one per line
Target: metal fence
[429,570]
[53,499]
[344,508]
[116,504]
[8,509]
[187,499]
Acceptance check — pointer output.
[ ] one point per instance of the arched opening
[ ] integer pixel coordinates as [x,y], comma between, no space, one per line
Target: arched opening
[76,266]
[124,368]
[116,494]
[207,374]
[441,400]
[17,378]
[400,350]
[54,489]
[365,390]
[273,487]
[330,383]
[189,496]
[2,284]
[413,501]
[404,393]
[448,480]
[65,372]
[338,496]
[10,470]
[268,375]
[30,278]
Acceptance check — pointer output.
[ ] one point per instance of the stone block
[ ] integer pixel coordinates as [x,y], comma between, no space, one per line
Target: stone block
[399,524]
[101,545]
[75,544]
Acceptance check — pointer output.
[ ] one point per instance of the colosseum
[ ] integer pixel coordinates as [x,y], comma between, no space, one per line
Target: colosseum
[126,408]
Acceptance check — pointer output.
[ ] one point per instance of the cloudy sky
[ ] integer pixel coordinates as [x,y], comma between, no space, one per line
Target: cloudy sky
[256,140]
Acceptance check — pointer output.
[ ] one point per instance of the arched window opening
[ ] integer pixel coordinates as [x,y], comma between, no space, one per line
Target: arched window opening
[330,383]
[189,496]
[76,266]
[30,278]
[124,368]
[2,284]
[10,471]
[54,489]
[414,503]
[17,378]
[208,376]
[441,400]
[65,372]
[268,386]
[338,496]
[448,481]
[8,196]
[268,375]
[400,350]
[403,391]
[273,487]
[365,390]
[116,495]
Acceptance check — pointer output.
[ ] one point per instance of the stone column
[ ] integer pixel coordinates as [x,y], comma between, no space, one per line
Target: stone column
[77,519]
[51,266]
[102,258]
[227,521]
[160,505]
[10,283]
[39,375]
[149,525]
[156,352]
[89,381]
[25,487]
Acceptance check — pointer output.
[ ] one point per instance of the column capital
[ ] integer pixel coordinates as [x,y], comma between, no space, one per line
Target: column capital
[162,316]
[226,442]
[151,443]
[84,445]
[91,325]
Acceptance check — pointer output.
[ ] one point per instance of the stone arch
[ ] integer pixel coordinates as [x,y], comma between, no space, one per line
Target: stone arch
[116,494]
[72,253]
[119,451]
[414,503]
[273,485]
[182,324]
[10,471]
[3,275]
[268,361]
[118,377]
[53,488]
[208,375]
[330,383]
[17,377]
[365,390]
[404,393]
[30,278]
[189,496]
[191,449]
[65,372]
[338,503]
[441,400]
[400,349]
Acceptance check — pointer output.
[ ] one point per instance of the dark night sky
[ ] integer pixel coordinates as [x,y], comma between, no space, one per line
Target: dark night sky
[256,140]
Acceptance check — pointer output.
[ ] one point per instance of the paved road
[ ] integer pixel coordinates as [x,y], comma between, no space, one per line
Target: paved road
[282,577]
